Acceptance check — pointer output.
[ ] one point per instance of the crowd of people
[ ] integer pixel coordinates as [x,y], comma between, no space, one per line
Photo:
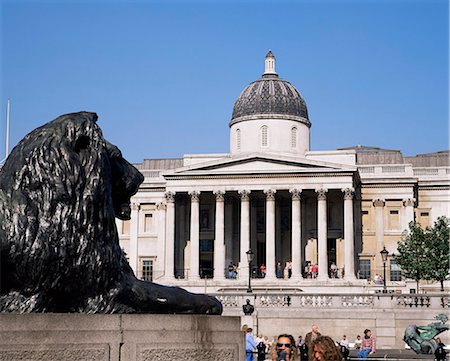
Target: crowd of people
[313,347]
[311,270]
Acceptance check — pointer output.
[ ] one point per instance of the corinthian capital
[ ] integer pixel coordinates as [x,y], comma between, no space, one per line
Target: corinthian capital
[245,194]
[348,193]
[296,194]
[378,202]
[409,202]
[195,196]
[161,206]
[220,195]
[270,194]
[321,194]
[170,197]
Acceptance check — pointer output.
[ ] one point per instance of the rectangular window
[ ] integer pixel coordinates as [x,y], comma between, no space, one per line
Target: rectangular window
[148,223]
[365,220]
[364,269]
[126,227]
[424,219]
[396,274]
[147,269]
[394,220]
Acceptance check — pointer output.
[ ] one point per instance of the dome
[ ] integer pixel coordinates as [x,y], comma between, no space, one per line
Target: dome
[271,97]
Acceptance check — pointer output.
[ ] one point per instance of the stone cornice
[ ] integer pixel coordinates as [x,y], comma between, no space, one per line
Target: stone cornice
[270,116]
[389,185]
[257,175]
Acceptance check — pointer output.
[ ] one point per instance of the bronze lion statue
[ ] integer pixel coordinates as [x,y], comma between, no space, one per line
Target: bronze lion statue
[60,190]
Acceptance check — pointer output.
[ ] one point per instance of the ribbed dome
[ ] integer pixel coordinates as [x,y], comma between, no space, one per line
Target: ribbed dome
[270,96]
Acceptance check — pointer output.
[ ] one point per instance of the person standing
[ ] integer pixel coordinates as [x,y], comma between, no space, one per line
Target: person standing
[368,345]
[314,270]
[440,353]
[279,270]
[262,269]
[250,344]
[312,335]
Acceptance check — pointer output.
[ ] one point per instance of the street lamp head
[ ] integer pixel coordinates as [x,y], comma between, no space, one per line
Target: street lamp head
[384,254]
[250,255]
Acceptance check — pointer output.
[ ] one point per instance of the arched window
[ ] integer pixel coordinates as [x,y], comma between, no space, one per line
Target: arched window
[238,139]
[264,136]
[294,137]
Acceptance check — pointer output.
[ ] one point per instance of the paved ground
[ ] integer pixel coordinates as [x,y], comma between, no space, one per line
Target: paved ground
[394,354]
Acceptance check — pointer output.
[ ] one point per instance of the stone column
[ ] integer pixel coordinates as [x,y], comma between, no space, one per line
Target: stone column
[170,236]
[349,243]
[134,230]
[245,234]
[270,234]
[229,246]
[296,234]
[219,245]
[408,212]
[379,231]
[194,263]
[322,233]
[161,219]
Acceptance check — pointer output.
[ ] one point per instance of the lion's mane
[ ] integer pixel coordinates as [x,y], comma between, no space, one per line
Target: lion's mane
[57,217]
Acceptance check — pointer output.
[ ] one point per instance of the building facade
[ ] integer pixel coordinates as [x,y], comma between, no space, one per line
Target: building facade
[195,218]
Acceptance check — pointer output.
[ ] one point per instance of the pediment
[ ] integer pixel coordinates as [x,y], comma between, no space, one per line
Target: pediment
[260,165]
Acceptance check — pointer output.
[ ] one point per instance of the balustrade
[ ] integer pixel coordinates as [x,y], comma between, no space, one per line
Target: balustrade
[333,301]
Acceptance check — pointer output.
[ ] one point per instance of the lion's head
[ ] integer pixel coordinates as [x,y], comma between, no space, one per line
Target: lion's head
[60,191]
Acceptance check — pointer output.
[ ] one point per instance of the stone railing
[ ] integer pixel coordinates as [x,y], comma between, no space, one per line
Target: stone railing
[333,301]
[406,170]
[150,173]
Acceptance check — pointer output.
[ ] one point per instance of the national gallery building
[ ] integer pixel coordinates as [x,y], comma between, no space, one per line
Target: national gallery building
[195,219]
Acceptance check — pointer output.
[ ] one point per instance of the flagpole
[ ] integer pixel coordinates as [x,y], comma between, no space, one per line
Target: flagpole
[8,110]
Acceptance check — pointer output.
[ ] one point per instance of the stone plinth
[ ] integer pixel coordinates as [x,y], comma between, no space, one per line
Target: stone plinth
[81,337]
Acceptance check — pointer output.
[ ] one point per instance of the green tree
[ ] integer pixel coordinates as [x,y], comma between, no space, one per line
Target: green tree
[439,251]
[412,253]
[424,254]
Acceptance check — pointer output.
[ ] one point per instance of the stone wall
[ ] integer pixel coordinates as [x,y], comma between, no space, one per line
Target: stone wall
[80,337]
[387,315]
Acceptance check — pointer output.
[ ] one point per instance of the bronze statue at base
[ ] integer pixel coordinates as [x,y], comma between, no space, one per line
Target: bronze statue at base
[60,190]
[421,338]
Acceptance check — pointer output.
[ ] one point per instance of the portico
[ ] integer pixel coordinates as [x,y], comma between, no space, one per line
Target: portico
[233,209]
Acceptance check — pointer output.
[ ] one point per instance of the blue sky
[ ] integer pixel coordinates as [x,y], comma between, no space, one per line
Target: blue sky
[163,75]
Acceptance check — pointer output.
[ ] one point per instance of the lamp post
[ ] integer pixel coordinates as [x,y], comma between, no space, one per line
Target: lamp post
[384,255]
[250,255]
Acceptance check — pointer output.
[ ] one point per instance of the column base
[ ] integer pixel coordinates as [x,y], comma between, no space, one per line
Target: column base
[322,278]
[351,278]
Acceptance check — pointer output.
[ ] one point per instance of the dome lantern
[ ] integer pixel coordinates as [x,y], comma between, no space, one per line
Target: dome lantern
[270,64]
